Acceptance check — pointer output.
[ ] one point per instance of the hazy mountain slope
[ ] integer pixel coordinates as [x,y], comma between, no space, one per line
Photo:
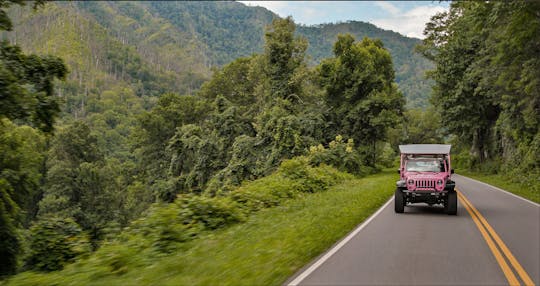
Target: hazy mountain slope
[171,46]
[232,30]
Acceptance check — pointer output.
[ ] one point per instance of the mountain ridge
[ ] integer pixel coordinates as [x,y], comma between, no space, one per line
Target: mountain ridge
[173,46]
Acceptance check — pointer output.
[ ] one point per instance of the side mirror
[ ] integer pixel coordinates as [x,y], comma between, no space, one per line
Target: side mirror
[398,171]
[451,171]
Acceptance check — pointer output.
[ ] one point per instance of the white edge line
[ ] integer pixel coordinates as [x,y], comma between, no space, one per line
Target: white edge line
[499,189]
[332,251]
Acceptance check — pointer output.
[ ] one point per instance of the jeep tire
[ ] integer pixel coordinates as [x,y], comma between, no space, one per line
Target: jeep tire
[450,206]
[399,201]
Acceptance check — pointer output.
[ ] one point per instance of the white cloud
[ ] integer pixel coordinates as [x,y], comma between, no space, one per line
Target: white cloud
[410,23]
[388,7]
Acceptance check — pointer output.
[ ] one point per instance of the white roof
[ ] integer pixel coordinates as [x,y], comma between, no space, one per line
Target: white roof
[425,149]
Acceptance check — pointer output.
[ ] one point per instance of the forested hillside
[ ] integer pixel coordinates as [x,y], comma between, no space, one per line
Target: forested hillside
[179,42]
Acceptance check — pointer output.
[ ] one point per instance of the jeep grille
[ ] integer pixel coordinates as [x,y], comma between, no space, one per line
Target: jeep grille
[425,184]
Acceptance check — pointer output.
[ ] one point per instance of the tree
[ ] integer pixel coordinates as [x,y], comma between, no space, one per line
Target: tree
[79,182]
[362,98]
[26,92]
[284,55]
[26,97]
[156,127]
[487,69]
[21,161]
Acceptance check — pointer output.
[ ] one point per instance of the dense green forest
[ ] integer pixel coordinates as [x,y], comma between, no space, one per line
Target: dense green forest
[487,84]
[147,123]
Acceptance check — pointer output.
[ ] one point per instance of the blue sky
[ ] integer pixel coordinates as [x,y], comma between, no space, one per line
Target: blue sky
[405,17]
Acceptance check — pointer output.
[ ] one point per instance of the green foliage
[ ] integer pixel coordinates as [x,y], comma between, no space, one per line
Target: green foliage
[339,154]
[157,126]
[26,90]
[236,82]
[5,21]
[212,212]
[487,70]
[79,182]
[409,67]
[422,127]
[119,148]
[360,91]
[26,96]
[22,151]
[196,155]
[293,177]
[10,240]
[55,242]
[284,56]
[270,247]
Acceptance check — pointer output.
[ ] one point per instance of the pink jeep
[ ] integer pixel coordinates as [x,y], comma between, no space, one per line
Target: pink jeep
[425,177]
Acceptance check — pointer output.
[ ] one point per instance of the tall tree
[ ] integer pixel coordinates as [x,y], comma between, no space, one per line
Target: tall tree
[26,97]
[362,98]
[284,54]
[78,181]
[487,69]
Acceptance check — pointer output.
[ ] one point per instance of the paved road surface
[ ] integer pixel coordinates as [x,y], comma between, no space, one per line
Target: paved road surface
[424,246]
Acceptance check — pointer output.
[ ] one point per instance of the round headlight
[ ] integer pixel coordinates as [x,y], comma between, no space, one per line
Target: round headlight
[439,182]
[411,182]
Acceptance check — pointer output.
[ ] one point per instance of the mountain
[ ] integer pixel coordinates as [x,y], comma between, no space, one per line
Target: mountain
[155,47]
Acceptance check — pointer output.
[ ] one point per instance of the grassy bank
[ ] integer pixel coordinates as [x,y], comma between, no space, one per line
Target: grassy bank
[527,191]
[266,249]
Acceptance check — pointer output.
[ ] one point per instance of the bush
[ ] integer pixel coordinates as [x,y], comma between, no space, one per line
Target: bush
[212,212]
[294,176]
[167,225]
[339,154]
[163,227]
[311,179]
[55,242]
[266,192]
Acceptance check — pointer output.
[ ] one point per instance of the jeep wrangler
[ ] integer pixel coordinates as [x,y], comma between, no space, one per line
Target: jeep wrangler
[425,177]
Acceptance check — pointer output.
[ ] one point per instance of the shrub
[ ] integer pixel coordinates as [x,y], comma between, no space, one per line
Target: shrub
[163,227]
[54,242]
[308,178]
[266,192]
[212,212]
[167,225]
[339,154]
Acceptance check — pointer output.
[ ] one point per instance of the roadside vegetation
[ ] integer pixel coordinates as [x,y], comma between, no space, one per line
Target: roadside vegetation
[276,225]
[528,191]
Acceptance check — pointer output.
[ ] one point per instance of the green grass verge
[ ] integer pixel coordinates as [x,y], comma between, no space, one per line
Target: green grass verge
[529,192]
[265,250]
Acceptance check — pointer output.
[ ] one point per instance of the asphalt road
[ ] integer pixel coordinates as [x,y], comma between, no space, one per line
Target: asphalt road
[424,246]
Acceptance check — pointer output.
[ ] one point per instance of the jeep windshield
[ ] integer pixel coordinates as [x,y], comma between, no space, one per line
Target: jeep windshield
[424,165]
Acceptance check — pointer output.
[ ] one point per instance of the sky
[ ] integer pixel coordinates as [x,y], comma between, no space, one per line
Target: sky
[405,17]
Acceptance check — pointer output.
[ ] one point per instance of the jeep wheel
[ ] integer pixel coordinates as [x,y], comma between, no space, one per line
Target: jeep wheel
[399,201]
[450,207]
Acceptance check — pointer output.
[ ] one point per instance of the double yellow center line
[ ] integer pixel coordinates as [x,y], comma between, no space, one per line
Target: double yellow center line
[496,245]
